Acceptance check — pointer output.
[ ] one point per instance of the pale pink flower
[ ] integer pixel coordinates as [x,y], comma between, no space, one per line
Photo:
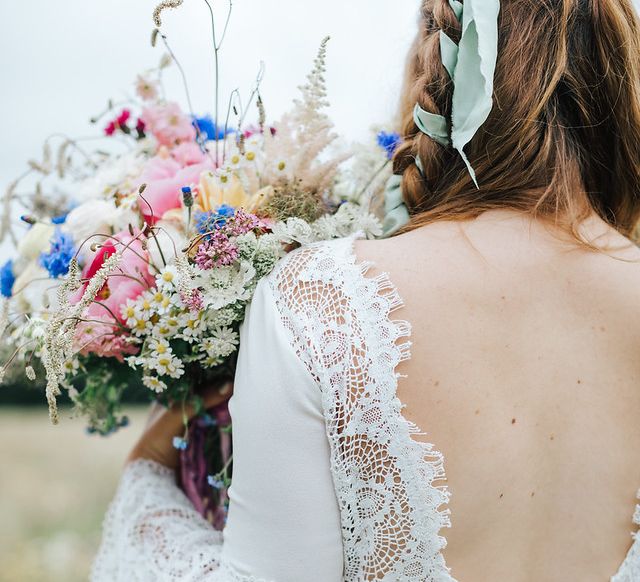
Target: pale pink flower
[100,336]
[146,89]
[168,124]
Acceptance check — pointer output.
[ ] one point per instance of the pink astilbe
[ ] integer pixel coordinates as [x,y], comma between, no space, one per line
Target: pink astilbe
[217,251]
[243,222]
[193,299]
[168,124]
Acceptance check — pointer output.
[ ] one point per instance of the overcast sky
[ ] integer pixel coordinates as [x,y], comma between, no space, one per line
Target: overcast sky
[61,61]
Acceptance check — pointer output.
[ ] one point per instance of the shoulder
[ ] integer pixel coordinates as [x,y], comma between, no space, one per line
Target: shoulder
[321,262]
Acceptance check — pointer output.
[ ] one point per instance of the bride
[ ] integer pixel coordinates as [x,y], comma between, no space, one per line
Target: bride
[523,295]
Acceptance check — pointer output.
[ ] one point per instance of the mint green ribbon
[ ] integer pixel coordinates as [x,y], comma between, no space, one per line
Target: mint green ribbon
[471,64]
[396,214]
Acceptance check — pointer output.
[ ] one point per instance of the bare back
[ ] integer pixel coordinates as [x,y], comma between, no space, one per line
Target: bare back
[525,375]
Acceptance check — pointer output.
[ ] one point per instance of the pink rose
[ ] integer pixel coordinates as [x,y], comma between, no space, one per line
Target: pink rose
[165,178]
[127,281]
[102,337]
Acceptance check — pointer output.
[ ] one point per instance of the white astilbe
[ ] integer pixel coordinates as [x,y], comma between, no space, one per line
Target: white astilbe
[58,340]
[302,136]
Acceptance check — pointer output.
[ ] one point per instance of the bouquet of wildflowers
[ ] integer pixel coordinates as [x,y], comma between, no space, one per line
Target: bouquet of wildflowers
[137,267]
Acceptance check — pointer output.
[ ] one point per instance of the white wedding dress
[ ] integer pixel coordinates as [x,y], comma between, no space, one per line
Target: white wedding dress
[328,483]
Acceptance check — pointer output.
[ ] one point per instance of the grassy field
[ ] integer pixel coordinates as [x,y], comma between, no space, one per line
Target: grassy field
[55,485]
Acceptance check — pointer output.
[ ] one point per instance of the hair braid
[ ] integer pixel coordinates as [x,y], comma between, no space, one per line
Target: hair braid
[430,87]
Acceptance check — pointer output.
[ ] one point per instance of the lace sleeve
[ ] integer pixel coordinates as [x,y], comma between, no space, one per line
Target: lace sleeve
[339,325]
[152,533]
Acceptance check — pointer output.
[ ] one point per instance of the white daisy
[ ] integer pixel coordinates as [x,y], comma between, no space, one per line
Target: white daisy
[154,383]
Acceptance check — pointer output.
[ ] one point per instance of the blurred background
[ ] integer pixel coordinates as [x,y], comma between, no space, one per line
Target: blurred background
[60,63]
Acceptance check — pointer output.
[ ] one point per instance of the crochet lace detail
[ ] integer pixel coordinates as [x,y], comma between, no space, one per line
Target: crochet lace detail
[389,486]
[152,533]
[630,569]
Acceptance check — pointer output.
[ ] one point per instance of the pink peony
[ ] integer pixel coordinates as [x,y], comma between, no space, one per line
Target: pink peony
[129,280]
[168,124]
[102,337]
[166,176]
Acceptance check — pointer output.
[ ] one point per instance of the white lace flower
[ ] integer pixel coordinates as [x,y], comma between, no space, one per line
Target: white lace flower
[221,344]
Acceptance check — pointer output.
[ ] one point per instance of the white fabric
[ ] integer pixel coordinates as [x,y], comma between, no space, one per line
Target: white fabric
[329,485]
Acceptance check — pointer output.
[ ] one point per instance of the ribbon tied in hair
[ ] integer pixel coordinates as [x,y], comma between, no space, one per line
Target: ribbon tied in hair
[471,64]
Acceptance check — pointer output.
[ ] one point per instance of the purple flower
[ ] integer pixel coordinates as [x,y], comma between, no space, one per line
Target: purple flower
[389,142]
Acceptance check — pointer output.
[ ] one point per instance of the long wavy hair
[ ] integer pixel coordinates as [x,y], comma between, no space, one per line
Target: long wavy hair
[563,139]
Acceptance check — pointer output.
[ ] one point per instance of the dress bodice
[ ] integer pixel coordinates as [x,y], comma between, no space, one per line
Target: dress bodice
[329,483]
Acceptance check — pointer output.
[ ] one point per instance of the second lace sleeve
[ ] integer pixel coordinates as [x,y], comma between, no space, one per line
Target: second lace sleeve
[152,533]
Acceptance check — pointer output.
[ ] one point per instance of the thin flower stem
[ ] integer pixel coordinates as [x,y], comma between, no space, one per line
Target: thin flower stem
[226,25]
[255,91]
[373,178]
[155,238]
[16,352]
[101,304]
[186,90]
[216,57]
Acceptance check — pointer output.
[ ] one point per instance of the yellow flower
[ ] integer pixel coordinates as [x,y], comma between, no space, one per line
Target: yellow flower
[212,194]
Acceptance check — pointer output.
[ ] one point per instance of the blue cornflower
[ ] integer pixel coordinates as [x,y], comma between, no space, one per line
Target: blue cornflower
[389,142]
[58,259]
[210,221]
[59,219]
[7,279]
[209,128]
[180,444]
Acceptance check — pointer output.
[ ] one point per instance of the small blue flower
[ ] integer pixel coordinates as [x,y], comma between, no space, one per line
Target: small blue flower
[59,219]
[210,221]
[180,444]
[209,128]
[208,420]
[7,279]
[226,211]
[389,142]
[215,483]
[58,259]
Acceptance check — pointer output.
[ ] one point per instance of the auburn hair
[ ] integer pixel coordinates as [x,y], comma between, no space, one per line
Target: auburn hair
[563,138]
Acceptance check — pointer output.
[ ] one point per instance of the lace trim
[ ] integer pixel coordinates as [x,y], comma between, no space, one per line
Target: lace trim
[630,569]
[339,323]
[152,533]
